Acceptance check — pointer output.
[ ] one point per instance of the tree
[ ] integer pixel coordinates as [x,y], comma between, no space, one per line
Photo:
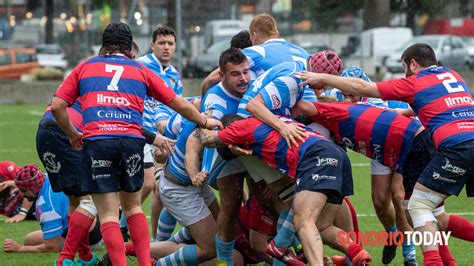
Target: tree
[376,13]
[49,38]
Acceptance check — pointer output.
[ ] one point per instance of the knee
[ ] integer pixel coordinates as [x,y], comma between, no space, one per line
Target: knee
[380,200]
[421,206]
[398,197]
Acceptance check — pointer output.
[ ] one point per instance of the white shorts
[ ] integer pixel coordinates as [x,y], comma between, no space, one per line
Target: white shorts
[232,167]
[188,204]
[377,168]
[436,212]
[258,170]
[148,153]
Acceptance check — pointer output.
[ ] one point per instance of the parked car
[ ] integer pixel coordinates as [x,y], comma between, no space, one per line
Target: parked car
[15,62]
[51,55]
[469,40]
[451,51]
[203,64]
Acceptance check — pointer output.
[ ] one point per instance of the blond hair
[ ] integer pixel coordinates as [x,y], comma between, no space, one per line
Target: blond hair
[264,25]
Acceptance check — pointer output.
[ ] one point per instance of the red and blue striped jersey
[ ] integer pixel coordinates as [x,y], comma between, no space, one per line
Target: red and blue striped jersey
[375,132]
[441,100]
[267,144]
[112,90]
[74,112]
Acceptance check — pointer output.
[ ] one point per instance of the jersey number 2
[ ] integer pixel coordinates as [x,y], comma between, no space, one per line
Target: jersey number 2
[448,80]
[113,86]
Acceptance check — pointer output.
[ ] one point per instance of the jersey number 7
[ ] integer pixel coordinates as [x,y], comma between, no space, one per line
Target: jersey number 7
[113,86]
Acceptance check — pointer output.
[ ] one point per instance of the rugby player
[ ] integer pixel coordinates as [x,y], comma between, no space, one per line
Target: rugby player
[112,109]
[12,204]
[443,103]
[52,214]
[318,185]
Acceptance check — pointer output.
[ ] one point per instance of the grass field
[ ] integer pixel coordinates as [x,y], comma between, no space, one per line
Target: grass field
[18,125]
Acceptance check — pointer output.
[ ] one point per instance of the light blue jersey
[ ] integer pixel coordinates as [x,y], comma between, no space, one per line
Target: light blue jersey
[51,211]
[264,56]
[153,109]
[279,88]
[176,161]
[174,122]
[219,102]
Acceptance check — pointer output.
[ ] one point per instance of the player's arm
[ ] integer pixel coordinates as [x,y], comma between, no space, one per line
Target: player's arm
[304,108]
[210,80]
[291,133]
[58,108]
[48,245]
[25,208]
[353,86]
[408,112]
[188,111]
[191,159]
[209,138]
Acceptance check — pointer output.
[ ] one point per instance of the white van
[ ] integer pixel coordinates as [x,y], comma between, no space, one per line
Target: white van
[218,30]
[376,45]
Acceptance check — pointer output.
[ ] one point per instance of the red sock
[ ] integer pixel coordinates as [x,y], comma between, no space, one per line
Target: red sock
[446,256]
[461,228]
[432,258]
[78,230]
[140,235]
[84,250]
[129,249]
[355,222]
[353,250]
[113,242]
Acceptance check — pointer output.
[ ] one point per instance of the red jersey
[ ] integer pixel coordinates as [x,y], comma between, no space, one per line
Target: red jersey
[441,100]
[9,201]
[267,144]
[112,90]
[375,132]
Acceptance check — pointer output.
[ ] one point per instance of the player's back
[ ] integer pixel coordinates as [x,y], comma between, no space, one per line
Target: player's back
[377,133]
[112,90]
[444,105]
[264,56]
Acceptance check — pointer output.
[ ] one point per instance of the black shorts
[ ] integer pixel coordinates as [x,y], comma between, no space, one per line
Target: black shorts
[421,152]
[113,164]
[325,167]
[450,169]
[61,161]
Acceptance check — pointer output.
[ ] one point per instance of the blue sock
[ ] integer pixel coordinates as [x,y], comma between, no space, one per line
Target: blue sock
[182,236]
[286,233]
[348,261]
[123,221]
[166,225]
[188,253]
[224,250]
[392,229]
[281,219]
[296,242]
[409,252]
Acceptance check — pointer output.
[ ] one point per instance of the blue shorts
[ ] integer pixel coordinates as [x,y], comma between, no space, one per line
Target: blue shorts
[324,167]
[450,169]
[60,159]
[421,153]
[111,165]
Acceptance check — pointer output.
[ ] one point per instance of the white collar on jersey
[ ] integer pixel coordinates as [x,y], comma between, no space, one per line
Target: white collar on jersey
[163,70]
[228,93]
